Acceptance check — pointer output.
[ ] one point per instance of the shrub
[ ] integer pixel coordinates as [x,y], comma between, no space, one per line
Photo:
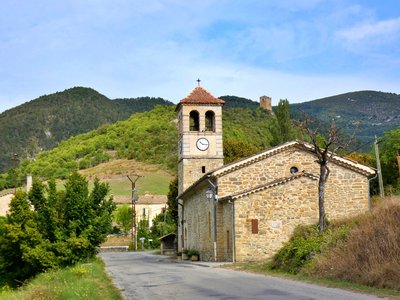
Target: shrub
[60,230]
[192,252]
[305,243]
[371,254]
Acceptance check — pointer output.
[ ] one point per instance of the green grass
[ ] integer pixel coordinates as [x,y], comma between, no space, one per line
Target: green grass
[155,180]
[262,268]
[83,281]
[154,184]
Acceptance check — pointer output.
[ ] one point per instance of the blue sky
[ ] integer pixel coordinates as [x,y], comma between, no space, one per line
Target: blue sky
[300,50]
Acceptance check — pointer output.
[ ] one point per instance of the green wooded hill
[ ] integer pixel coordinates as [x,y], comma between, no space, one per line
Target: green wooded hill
[149,137]
[376,112]
[238,102]
[44,122]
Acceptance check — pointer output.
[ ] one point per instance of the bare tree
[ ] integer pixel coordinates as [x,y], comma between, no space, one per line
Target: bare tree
[325,147]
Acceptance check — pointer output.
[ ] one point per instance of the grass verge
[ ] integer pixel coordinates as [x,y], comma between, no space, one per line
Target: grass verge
[82,281]
[262,268]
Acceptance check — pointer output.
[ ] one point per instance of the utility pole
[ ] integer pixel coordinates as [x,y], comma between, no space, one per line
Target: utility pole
[134,198]
[165,219]
[378,166]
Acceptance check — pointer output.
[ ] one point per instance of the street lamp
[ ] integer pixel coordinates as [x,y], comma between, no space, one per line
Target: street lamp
[211,195]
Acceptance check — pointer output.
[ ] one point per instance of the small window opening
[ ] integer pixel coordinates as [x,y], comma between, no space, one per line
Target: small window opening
[210,121]
[203,169]
[254,226]
[194,120]
[294,170]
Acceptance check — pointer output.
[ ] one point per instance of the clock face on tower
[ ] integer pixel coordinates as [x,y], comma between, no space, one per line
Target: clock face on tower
[202,144]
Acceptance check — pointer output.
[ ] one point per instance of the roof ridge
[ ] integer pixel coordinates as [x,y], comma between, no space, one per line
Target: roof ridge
[200,95]
[269,184]
[296,143]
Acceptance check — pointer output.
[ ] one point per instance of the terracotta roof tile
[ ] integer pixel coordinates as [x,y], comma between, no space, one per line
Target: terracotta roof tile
[201,96]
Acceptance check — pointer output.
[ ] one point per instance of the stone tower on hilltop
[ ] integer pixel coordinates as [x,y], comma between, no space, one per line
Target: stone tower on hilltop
[265,103]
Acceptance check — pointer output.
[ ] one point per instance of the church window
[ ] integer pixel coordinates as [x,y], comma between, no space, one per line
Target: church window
[203,169]
[210,121]
[194,120]
[254,226]
[294,170]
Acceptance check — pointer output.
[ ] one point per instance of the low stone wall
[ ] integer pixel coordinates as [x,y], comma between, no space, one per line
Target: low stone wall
[114,249]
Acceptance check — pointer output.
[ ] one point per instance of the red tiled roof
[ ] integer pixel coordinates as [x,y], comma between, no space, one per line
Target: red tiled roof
[201,96]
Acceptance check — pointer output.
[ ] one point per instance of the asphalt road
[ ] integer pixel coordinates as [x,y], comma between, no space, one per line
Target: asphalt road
[142,275]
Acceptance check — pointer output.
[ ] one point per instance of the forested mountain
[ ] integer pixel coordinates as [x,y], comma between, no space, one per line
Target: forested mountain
[148,137]
[238,102]
[376,112]
[44,122]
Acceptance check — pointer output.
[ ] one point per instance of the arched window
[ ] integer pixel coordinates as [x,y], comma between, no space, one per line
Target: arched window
[210,121]
[194,121]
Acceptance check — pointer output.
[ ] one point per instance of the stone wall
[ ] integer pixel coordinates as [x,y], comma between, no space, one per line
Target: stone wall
[191,169]
[277,210]
[280,209]
[265,103]
[198,224]
[346,190]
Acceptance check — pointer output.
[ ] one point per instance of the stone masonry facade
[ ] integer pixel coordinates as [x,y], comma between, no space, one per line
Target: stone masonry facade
[346,190]
[198,226]
[276,209]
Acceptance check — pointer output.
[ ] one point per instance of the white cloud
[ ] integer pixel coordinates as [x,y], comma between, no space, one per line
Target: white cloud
[159,48]
[385,30]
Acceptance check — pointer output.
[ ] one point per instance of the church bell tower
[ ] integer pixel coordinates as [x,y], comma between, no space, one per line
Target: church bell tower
[200,136]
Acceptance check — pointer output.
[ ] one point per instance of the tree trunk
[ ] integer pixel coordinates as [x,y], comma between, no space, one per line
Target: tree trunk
[323,177]
[398,161]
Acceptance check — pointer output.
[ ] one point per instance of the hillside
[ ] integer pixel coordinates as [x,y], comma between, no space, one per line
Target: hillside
[149,137]
[238,102]
[376,112]
[44,122]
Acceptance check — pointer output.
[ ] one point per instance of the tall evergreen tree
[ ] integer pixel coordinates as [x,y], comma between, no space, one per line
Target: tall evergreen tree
[283,130]
[172,202]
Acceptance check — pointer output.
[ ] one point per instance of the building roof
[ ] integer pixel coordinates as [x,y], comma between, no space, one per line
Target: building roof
[226,169]
[167,236]
[268,185]
[200,96]
[344,162]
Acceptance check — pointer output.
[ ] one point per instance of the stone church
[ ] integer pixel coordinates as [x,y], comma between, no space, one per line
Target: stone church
[246,210]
